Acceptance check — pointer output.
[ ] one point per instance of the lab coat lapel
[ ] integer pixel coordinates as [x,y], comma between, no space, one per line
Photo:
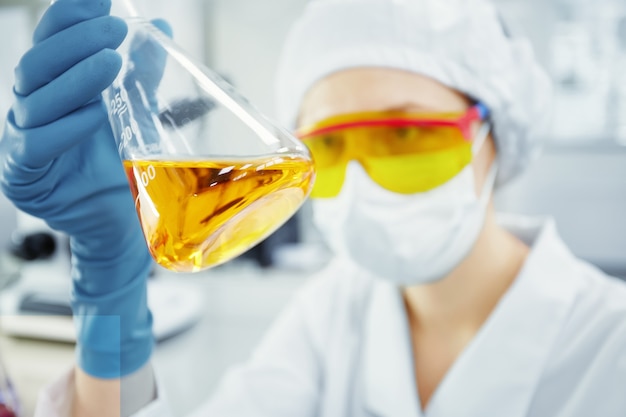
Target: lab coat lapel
[389,383]
[498,372]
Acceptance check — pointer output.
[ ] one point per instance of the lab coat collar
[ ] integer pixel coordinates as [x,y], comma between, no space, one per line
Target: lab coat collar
[389,381]
[497,372]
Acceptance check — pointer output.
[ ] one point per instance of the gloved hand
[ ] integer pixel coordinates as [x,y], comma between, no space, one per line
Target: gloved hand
[59,163]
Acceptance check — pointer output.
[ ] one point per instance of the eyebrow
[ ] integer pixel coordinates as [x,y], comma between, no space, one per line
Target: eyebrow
[409,106]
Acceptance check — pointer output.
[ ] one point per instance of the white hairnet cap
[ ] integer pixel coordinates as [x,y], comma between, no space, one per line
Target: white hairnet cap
[460,43]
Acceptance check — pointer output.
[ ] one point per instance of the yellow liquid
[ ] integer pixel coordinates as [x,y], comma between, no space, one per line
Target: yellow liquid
[198,214]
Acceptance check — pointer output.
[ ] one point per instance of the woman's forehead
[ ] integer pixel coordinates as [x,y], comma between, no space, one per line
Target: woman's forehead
[374,89]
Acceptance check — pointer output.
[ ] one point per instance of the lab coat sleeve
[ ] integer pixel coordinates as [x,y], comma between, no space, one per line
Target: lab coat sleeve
[55,400]
[282,378]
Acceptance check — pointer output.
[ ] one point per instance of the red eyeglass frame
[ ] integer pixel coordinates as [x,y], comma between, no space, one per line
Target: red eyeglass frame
[464,123]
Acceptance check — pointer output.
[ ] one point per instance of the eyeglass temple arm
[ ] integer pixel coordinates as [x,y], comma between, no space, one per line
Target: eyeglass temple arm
[477,112]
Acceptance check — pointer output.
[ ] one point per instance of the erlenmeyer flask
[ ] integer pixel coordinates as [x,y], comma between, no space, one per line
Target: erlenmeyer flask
[210,175]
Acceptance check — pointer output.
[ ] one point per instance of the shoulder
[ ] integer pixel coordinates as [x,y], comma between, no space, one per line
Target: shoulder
[339,287]
[600,301]
[342,278]
[586,369]
[334,300]
[596,301]
[595,330]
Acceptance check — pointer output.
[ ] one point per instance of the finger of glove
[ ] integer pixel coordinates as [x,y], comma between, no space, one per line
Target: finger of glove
[68,92]
[27,153]
[55,55]
[163,26]
[65,13]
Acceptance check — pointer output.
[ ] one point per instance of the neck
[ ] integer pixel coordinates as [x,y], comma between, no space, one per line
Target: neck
[464,299]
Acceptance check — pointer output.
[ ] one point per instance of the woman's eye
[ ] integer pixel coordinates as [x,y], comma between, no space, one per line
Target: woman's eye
[329,141]
[405,133]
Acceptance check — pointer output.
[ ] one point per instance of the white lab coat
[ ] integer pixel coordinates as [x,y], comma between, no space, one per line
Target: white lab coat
[555,346]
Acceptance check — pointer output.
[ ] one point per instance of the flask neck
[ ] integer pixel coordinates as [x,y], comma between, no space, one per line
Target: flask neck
[124,9]
[120,8]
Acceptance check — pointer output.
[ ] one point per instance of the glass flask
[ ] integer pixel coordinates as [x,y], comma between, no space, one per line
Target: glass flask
[210,175]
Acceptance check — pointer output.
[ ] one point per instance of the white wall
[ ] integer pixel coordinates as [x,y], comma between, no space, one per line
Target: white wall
[248,36]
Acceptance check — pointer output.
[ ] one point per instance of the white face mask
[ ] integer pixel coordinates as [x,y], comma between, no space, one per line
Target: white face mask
[408,239]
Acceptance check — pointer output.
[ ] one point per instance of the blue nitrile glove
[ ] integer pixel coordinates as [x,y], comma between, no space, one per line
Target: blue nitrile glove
[59,163]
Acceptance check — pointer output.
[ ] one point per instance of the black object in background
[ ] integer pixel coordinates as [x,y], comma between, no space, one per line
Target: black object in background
[33,246]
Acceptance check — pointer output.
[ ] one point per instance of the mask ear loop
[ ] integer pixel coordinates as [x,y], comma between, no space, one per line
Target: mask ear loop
[480,137]
[490,179]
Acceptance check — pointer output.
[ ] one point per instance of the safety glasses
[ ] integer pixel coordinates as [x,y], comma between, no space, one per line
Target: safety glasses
[401,151]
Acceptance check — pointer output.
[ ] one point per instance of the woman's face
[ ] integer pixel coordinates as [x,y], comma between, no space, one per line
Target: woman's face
[380,89]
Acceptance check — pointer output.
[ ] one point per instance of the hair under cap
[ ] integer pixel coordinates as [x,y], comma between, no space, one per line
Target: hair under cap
[460,43]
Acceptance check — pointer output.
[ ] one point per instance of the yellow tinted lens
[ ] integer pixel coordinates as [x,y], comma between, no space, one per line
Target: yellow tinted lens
[411,140]
[329,155]
[414,159]
[408,174]
[403,159]
[328,150]
[328,181]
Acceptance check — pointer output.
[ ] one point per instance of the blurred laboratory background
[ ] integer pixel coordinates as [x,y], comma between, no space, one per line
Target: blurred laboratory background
[580,180]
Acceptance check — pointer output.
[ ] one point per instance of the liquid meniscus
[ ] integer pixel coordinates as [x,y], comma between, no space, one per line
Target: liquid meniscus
[198,214]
